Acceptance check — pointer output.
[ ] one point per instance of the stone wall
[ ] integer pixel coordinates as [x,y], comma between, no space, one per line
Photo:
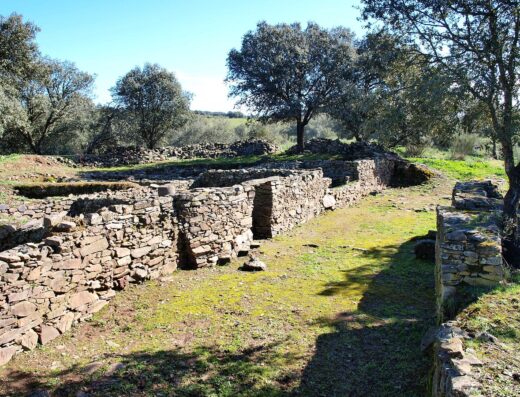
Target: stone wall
[140,155]
[453,373]
[214,224]
[468,254]
[468,246]
[368,176]
[90,246]
[46,287]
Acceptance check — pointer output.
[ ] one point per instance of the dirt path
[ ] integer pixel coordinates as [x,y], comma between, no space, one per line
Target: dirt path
[340,312]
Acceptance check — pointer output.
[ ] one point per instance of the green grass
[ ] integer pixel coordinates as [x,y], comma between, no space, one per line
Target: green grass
[464,170]
[9,158]
[497,313]
[343,318]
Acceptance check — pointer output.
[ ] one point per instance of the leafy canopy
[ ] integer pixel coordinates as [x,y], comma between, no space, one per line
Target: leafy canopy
[155,100]
[286,73]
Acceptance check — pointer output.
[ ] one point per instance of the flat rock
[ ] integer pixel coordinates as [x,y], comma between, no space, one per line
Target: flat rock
[47,334]
[23,309]
[29,340]
[254,265]
[82,298]
[6,354]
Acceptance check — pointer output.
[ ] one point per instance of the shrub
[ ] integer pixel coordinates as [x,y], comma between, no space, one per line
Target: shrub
[42,190]
[463,145]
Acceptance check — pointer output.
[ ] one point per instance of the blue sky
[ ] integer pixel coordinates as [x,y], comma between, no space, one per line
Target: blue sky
[191,38]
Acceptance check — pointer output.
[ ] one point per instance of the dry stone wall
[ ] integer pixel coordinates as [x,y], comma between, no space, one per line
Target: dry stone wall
[140,155]
[468,246]
[214,224]
[88,247]
[46,287]
[468,253]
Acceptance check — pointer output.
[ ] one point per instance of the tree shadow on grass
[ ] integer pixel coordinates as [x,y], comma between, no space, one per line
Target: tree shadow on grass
[374,351]
[202,372]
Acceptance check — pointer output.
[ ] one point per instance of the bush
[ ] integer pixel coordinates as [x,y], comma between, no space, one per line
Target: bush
[42,190]
[463,145]
[416,149]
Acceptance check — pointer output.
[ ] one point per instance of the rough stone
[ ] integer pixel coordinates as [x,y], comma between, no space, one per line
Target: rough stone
[23,309]
[254,265]
[47,334]
[29,340]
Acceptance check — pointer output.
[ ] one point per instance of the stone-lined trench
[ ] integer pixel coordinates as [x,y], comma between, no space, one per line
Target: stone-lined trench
[340,311]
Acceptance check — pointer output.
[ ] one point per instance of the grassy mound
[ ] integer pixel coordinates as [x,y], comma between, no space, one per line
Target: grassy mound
[42,190]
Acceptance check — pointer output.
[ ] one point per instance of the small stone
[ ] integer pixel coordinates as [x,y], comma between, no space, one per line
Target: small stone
[166,190]
[82,298]
[65,226]
[140,252]
[93,219]
[457,235]
[329,202]
[29,340]
[254,265]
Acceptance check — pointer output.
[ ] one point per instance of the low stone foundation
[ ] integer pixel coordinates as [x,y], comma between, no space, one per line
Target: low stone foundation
[46,287]
[468,247]
[86,248]
[468,255]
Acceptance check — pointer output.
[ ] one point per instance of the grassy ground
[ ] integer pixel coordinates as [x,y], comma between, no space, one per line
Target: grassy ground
[340,311]
[463,170]
[498,314]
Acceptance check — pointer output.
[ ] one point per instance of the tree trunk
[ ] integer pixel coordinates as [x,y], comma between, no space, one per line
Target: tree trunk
[510,238]
[494,148]
[300,136]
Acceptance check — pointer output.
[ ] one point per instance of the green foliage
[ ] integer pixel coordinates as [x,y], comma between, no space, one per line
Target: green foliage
[286,73]
[41,100]
[155,102]
[463,145]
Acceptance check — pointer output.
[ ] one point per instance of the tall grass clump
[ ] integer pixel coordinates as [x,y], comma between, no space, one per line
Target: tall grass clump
[463,145]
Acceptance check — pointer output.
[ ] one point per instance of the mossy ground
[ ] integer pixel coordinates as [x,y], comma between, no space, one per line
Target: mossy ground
[340,311]
[496,312]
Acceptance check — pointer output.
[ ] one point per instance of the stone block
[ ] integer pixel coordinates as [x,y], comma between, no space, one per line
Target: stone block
[23,309]
[29,340]
[96,246]
[47,334]
[6,353]
[81,298]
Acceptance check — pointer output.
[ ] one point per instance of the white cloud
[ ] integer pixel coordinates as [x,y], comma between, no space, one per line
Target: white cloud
[209,92]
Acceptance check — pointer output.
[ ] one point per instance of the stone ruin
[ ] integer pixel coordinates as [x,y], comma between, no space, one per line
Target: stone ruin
[127,155]
[468,255]
[469,246]
[79,251]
